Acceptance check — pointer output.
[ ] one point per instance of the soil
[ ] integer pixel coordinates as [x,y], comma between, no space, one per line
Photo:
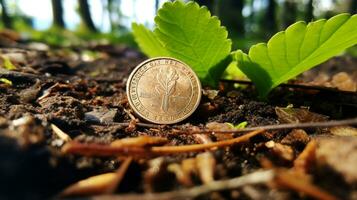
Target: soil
[84,96]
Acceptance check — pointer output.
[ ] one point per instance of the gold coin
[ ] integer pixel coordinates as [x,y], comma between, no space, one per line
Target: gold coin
[163,90]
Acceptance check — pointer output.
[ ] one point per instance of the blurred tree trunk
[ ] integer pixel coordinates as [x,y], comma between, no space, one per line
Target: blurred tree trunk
[309,12]
[6,19]
[353,7]
[157,2]
[289,13]
[230,13]
[57,13]
[86,15]
[110,14]
[269,22]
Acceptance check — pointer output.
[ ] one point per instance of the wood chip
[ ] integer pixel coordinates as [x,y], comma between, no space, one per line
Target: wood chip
[62,135]
[206,163]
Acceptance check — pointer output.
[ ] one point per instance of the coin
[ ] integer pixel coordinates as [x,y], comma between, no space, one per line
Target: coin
[163,90]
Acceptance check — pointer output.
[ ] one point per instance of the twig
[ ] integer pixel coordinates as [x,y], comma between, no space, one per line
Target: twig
[305,159]
[300,86]
[141,124]
[22,76]
[201,147]
[101,150]
[112,150]
[352,121]
[130,115]
[4,73]
[259,177]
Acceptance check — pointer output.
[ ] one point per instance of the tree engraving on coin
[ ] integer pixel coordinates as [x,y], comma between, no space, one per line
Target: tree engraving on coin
[167,78]
[163,90]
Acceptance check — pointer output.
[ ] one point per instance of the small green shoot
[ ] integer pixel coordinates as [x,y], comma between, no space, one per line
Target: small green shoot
[238,126]
[189,33]
[6,81]
[297,49]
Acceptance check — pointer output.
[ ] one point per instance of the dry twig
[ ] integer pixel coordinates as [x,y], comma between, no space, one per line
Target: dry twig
[332,123]
[108,150]
[352,121]
[259,177]
[201,147]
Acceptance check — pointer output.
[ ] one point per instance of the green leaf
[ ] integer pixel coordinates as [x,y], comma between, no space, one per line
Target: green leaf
[7,64]
[297,49]
[189,33]
[147,41]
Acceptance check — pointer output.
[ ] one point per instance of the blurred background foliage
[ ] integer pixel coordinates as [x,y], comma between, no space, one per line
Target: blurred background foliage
[75,22]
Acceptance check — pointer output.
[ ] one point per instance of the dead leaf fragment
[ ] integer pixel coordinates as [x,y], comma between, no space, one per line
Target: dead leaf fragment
[90,186]
[100,184]
[298,115]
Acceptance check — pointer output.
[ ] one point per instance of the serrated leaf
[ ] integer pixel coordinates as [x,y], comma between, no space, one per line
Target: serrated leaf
[189,33]
[147,41]
[297,49]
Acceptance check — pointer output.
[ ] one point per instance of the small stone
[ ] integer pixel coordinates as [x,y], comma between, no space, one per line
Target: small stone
[211,94]
[101,115]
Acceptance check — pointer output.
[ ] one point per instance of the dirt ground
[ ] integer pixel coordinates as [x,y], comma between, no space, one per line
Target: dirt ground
[80,92]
